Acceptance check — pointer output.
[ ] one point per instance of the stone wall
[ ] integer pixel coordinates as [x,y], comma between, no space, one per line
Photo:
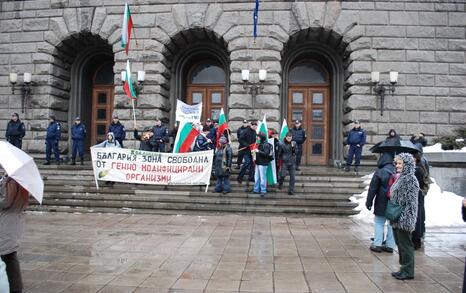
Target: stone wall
[425,42]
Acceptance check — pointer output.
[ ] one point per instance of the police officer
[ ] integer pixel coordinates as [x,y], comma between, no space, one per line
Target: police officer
[78,133]
[15,131]
[299,136]
[51,140]
[118,130]
[240,157]
[160,136]
[287,154]
[356,140]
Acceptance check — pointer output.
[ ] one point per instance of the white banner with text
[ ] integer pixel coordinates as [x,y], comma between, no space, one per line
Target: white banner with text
[191,113]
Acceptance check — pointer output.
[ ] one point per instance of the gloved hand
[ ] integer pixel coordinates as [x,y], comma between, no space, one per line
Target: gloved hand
[368,206]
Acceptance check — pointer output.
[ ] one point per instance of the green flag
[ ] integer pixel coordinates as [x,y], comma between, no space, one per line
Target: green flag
[284,130]
[271,169]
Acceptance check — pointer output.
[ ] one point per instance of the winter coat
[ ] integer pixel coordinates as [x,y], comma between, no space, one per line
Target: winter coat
[118,129]
[160,133]
[299,134]
[212,135]
[356,136]
[11,221]
[238,135]
[109,144]
[201,144]
[78,132]
[287,152]
[264,153]
[53,131]
[15,129]
[222,161]
[379,184]
[405,192]
[144,145]
[248,137]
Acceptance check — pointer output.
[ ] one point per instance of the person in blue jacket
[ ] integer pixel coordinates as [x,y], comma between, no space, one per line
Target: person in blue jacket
[203,143]
[15,131]
[78,134]
[118,130]
[356,140]
[160,137]
[52,139]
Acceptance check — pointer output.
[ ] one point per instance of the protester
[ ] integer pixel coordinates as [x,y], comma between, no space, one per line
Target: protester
[356,140]
[15,131]
[378,190]
[299,136]
[203,143]
[212,135]
[241,152]
[286,153]
[419,139]
[247,139]
[160,136]
[78,133]
[52,139]
[4,286]
[404,192]
[118,130]
[110,142]
[172,136]
[423,178]
[222,165]
[144,139]
[14,200]
[263,155]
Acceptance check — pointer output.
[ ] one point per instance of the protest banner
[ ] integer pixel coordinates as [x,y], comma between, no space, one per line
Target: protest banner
[191,113]
[136,166]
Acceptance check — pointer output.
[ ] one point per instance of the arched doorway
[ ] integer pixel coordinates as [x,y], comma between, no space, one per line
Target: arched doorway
[206,84]
[309,101]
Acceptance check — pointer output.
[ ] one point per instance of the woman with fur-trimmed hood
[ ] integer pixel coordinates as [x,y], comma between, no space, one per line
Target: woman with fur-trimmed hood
[404,192]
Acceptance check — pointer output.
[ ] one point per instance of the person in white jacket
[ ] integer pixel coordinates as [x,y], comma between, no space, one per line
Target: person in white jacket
[110,142]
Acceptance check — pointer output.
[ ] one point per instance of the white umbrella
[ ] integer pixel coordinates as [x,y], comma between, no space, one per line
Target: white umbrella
[22,168]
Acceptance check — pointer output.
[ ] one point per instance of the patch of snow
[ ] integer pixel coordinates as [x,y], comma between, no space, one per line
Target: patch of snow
[437,148]
[443,209]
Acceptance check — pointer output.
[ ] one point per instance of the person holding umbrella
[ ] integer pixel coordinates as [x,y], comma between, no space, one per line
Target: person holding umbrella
[14,199]
[15,131]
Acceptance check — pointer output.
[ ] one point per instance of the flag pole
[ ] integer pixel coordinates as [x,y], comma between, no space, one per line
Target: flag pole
[134,113]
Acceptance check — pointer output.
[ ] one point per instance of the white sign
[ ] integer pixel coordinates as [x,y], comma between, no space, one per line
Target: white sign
[135,166]
[191,113]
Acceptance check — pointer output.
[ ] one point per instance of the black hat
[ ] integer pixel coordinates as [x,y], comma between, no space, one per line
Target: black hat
[245,121]
[254,123]
[15,114]
[77,118]
[52,117]
[297,121]
[356,121]
[208,120]
[115,116]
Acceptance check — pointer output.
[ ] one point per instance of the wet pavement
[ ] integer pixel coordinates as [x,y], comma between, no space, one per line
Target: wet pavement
[227,253]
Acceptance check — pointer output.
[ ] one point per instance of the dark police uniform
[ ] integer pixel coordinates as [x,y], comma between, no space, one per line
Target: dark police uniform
[299,136]
[247,138]
[356,140]
[159,138]
[119,131]
[201,144]
[241,153]
[15,131]
[51,141]
[78,134]
[287,154]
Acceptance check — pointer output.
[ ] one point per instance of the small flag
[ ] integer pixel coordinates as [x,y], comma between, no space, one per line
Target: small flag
[284,130]
[185,137]
[128,86]
[256,18]
[271,173]
[126,28]
[222,126]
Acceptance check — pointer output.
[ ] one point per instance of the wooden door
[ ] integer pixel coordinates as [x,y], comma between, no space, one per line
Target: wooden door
[102,109]
[311,106]
[212,98]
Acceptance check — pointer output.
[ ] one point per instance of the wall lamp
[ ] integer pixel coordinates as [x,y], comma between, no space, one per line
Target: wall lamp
[25,87]
[254,88]
[380,88]
[140,84]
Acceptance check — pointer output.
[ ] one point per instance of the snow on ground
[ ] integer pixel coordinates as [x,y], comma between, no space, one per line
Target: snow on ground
[443,208]
[437,148]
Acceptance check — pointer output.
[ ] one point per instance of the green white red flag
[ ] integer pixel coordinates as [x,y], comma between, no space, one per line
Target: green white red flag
[128,85]
[222,126]
[126,28]
[185,137]
[271,173]
[284,130]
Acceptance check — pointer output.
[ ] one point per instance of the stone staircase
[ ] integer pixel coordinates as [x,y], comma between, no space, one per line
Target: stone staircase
[318,191]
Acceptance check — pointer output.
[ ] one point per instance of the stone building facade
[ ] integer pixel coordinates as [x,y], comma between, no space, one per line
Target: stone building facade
[319,56]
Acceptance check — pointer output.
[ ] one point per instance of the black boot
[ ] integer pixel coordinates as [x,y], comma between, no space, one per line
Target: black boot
[73,162]
[82,161]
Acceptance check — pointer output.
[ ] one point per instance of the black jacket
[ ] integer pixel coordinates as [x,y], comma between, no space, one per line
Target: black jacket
[160,133]
[248,137]
[287,152]
[379,184]
[299,134]
[145,145]
[15,130]
[265,152]
[239,132]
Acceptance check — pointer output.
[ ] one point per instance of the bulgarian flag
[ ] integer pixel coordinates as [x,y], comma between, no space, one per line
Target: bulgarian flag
[222,126]
[185,137]
[284,130]
[128,86]
[271,169]
[126,28]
